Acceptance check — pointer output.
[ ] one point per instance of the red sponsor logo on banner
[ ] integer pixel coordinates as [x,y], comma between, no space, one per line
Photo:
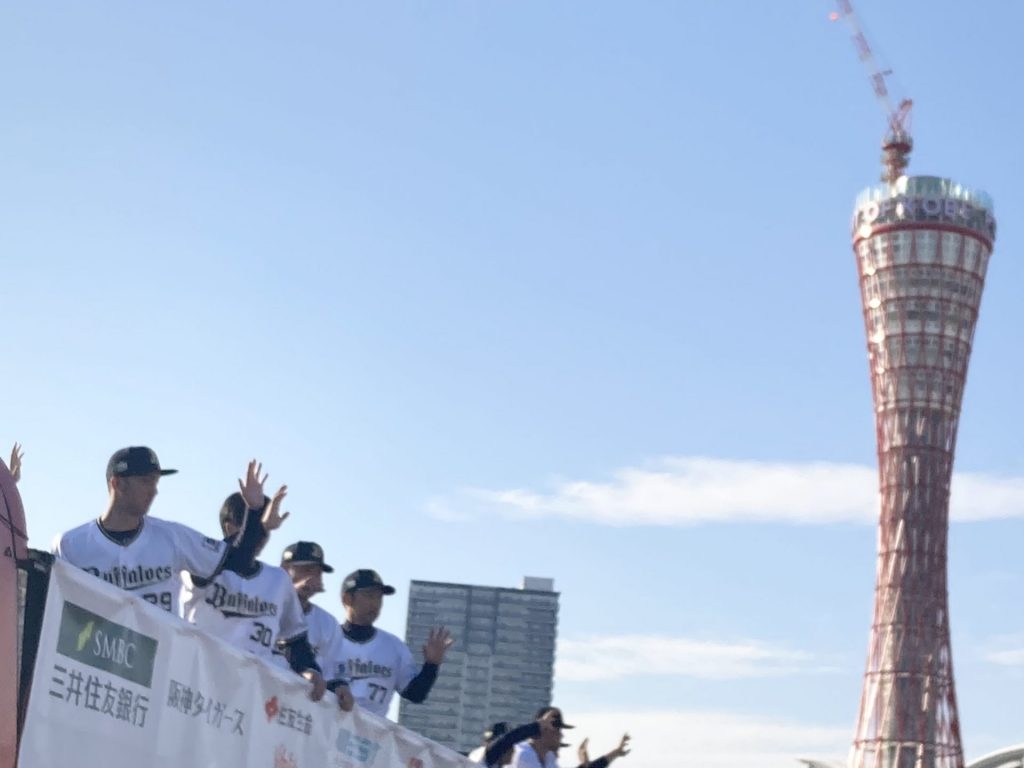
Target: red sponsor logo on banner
[271,707]
[283,758]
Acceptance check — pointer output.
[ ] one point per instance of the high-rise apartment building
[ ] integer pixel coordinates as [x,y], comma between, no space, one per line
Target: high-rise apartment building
[501,665]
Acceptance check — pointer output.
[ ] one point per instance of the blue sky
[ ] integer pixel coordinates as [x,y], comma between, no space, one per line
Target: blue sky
[549,288]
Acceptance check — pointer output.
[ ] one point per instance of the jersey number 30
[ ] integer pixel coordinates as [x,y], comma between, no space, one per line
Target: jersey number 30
[261,634]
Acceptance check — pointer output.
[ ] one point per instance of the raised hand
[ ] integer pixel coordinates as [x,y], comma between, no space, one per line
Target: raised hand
[272,517]
[15,464]
[437,645]
[622,749]
[252,488]
[583,754]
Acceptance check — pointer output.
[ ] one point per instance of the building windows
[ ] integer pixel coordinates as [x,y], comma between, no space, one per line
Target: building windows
[503,670]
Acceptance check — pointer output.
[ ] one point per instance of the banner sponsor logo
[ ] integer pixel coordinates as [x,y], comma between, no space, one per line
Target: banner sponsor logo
[271,708]
[106,645]
[98,694]
[283,758]
[289,717]
[97,678]
[358,748]
[205,707]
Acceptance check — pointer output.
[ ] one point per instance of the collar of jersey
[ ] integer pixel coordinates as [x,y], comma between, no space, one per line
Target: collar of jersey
[126,542]
[362,634]
[254,574]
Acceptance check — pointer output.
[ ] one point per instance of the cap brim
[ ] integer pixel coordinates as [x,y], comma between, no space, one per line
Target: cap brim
[168,472]
[323,566]
[388,589]
[564,725]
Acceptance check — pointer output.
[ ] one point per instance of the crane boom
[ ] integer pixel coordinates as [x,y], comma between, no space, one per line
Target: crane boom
[897,143]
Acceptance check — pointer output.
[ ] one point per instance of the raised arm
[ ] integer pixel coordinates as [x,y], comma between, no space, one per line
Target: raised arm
[434,650]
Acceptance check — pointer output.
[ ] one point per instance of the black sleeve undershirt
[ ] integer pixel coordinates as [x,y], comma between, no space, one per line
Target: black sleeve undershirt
[416,691]
[501,745]
[300,654]
[240,554]
[244,545]
[333,685]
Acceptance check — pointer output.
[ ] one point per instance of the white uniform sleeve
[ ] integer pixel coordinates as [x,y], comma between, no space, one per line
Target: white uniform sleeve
[293,620]
[198,554]
[329,654]
[332,656]
[407,668]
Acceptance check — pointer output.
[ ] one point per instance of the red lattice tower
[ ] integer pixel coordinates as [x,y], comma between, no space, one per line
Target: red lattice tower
[922,246]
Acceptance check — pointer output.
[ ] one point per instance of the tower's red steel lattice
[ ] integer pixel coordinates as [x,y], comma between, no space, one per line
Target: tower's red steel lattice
[922,246]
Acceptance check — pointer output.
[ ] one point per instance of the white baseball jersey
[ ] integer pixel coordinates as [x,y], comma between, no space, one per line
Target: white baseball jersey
[525,756]
[150,564]
[375,670]
[325,636]
[250,612]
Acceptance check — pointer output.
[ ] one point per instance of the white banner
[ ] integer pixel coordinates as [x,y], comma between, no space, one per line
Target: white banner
[121,683]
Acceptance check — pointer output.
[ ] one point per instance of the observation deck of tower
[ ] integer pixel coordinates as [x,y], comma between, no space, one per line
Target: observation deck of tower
[922,246]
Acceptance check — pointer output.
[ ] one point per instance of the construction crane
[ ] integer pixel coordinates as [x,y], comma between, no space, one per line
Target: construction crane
[897,143]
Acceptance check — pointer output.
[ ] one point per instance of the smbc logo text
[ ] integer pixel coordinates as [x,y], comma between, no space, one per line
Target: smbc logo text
[104,644]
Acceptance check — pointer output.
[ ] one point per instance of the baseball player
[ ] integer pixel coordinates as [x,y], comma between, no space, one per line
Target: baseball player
[304,563]
[541,751]
[146,555]
[500,739]
[376,663]
[256,608]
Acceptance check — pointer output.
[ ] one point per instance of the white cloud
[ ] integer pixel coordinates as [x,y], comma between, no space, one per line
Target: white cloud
[677,491]
[664,739]
[1010,658]
[1005,650]
[629,656]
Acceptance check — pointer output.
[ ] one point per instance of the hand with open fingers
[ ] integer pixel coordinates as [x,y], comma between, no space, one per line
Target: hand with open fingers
[583,754]
[622,749]
[15,466]
[437,645]
[252,488]
[272,517]
[319,686]
[345,699]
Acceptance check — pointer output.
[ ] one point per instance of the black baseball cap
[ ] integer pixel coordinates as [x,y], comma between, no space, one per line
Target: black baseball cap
[365,577]
[305,553]
[496,731]
[234,509]
[558,722]
[134,462]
